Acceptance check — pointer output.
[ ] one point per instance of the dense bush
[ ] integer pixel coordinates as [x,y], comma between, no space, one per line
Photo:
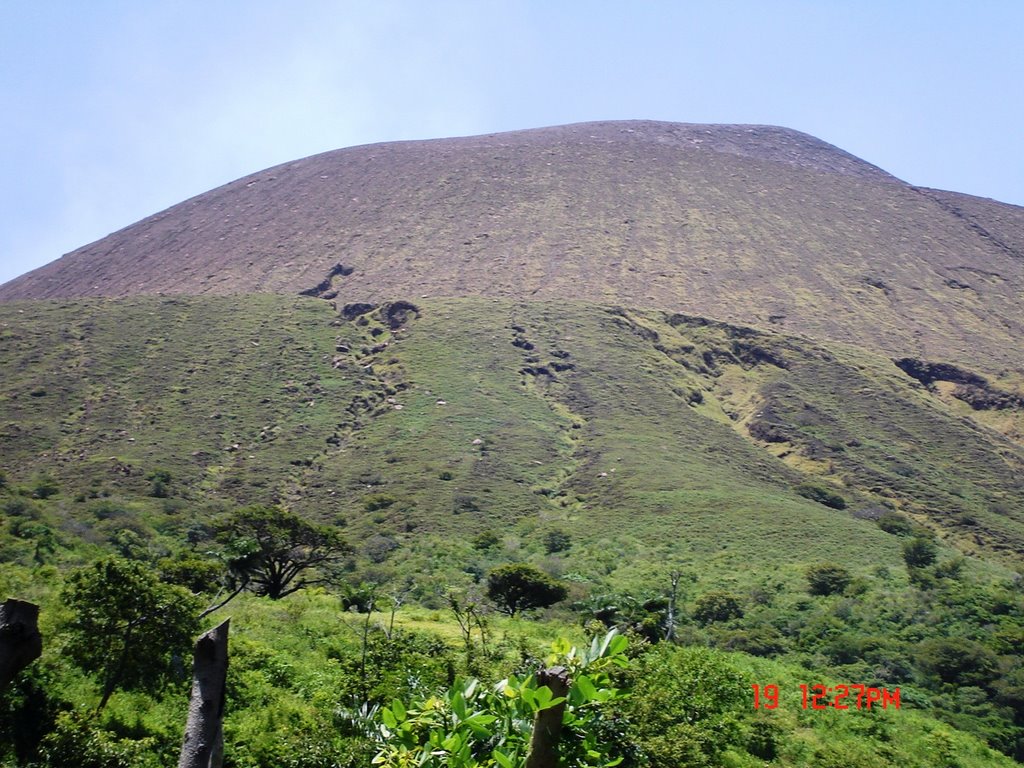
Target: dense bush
[757,641]
[896,524]
[556,541]
[821,495]
[686,705]
[827,579]
[957,660]
[717,606]
[919,552]
[485,540]
[127,626]
[474,725]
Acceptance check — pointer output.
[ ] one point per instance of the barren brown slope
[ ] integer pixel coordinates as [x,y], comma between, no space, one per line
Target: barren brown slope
[751,224]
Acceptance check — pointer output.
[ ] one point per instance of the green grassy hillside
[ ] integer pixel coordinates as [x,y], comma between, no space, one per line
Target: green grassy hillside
[451,436]
[636,431]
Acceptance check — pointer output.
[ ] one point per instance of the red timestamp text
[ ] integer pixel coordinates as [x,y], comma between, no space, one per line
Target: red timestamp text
[820,696]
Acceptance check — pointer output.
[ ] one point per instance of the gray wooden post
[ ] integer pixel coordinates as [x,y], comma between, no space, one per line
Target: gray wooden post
[203,745]
[20,641]
[547,726]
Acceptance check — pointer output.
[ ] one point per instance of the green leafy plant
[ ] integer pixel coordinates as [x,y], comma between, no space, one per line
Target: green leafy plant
[472,725]
[919,552]
[557,541]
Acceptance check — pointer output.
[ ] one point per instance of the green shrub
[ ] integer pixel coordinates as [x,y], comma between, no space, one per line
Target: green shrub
[79,740]
[919,552]
[44,488]
[757,641]
[159,480]
[21,507]
[717,606]
[196,573]
[827,579]
[556,541]
[126,625]
[764,738]
[685,706]
[473,725]
[959,661]
[485,540]
[821,495]
[896,524]
[378,501]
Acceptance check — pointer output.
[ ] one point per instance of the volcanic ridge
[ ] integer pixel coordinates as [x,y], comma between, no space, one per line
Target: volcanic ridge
[757,225]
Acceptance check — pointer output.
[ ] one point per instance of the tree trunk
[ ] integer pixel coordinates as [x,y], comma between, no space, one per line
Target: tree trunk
[670,621]
[20,641]
[203,746]
[547,727]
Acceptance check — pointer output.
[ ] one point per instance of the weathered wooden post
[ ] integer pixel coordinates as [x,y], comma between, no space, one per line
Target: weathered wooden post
[547,726]
[203,745]
[20,641]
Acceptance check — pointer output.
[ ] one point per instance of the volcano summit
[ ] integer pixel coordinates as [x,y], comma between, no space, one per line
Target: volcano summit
[755,225]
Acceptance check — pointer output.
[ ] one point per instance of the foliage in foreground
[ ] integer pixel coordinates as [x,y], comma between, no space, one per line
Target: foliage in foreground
[473,725]
[126,625]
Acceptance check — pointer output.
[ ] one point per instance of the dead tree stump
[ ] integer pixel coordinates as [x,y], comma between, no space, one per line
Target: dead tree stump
[547,726]
[20,641]
[203,745]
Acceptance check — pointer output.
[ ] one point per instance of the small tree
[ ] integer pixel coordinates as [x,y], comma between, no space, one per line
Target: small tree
[126,625]
[518,587]
[556,541]
[486,540]
[827,579]
[919,552]
[159,479]
[717,606]
[272,551]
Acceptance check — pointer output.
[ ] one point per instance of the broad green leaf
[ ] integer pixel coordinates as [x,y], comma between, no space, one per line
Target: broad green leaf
[529,696]
[459,705]
[453,743]
[586,687]
[618,644]
[543,696]
[399,710]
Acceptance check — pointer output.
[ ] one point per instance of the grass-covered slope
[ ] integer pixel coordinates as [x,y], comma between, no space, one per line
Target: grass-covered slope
[609,446]
[639,432]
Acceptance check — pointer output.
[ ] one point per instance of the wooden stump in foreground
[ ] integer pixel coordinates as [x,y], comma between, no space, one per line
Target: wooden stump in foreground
[20,641]
[203,745]
[547,727]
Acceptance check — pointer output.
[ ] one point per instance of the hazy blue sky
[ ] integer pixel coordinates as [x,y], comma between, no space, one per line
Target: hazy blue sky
[111,111]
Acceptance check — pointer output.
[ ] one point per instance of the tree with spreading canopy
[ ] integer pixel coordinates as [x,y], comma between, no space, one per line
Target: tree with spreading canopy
[273,552]
[518,586]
